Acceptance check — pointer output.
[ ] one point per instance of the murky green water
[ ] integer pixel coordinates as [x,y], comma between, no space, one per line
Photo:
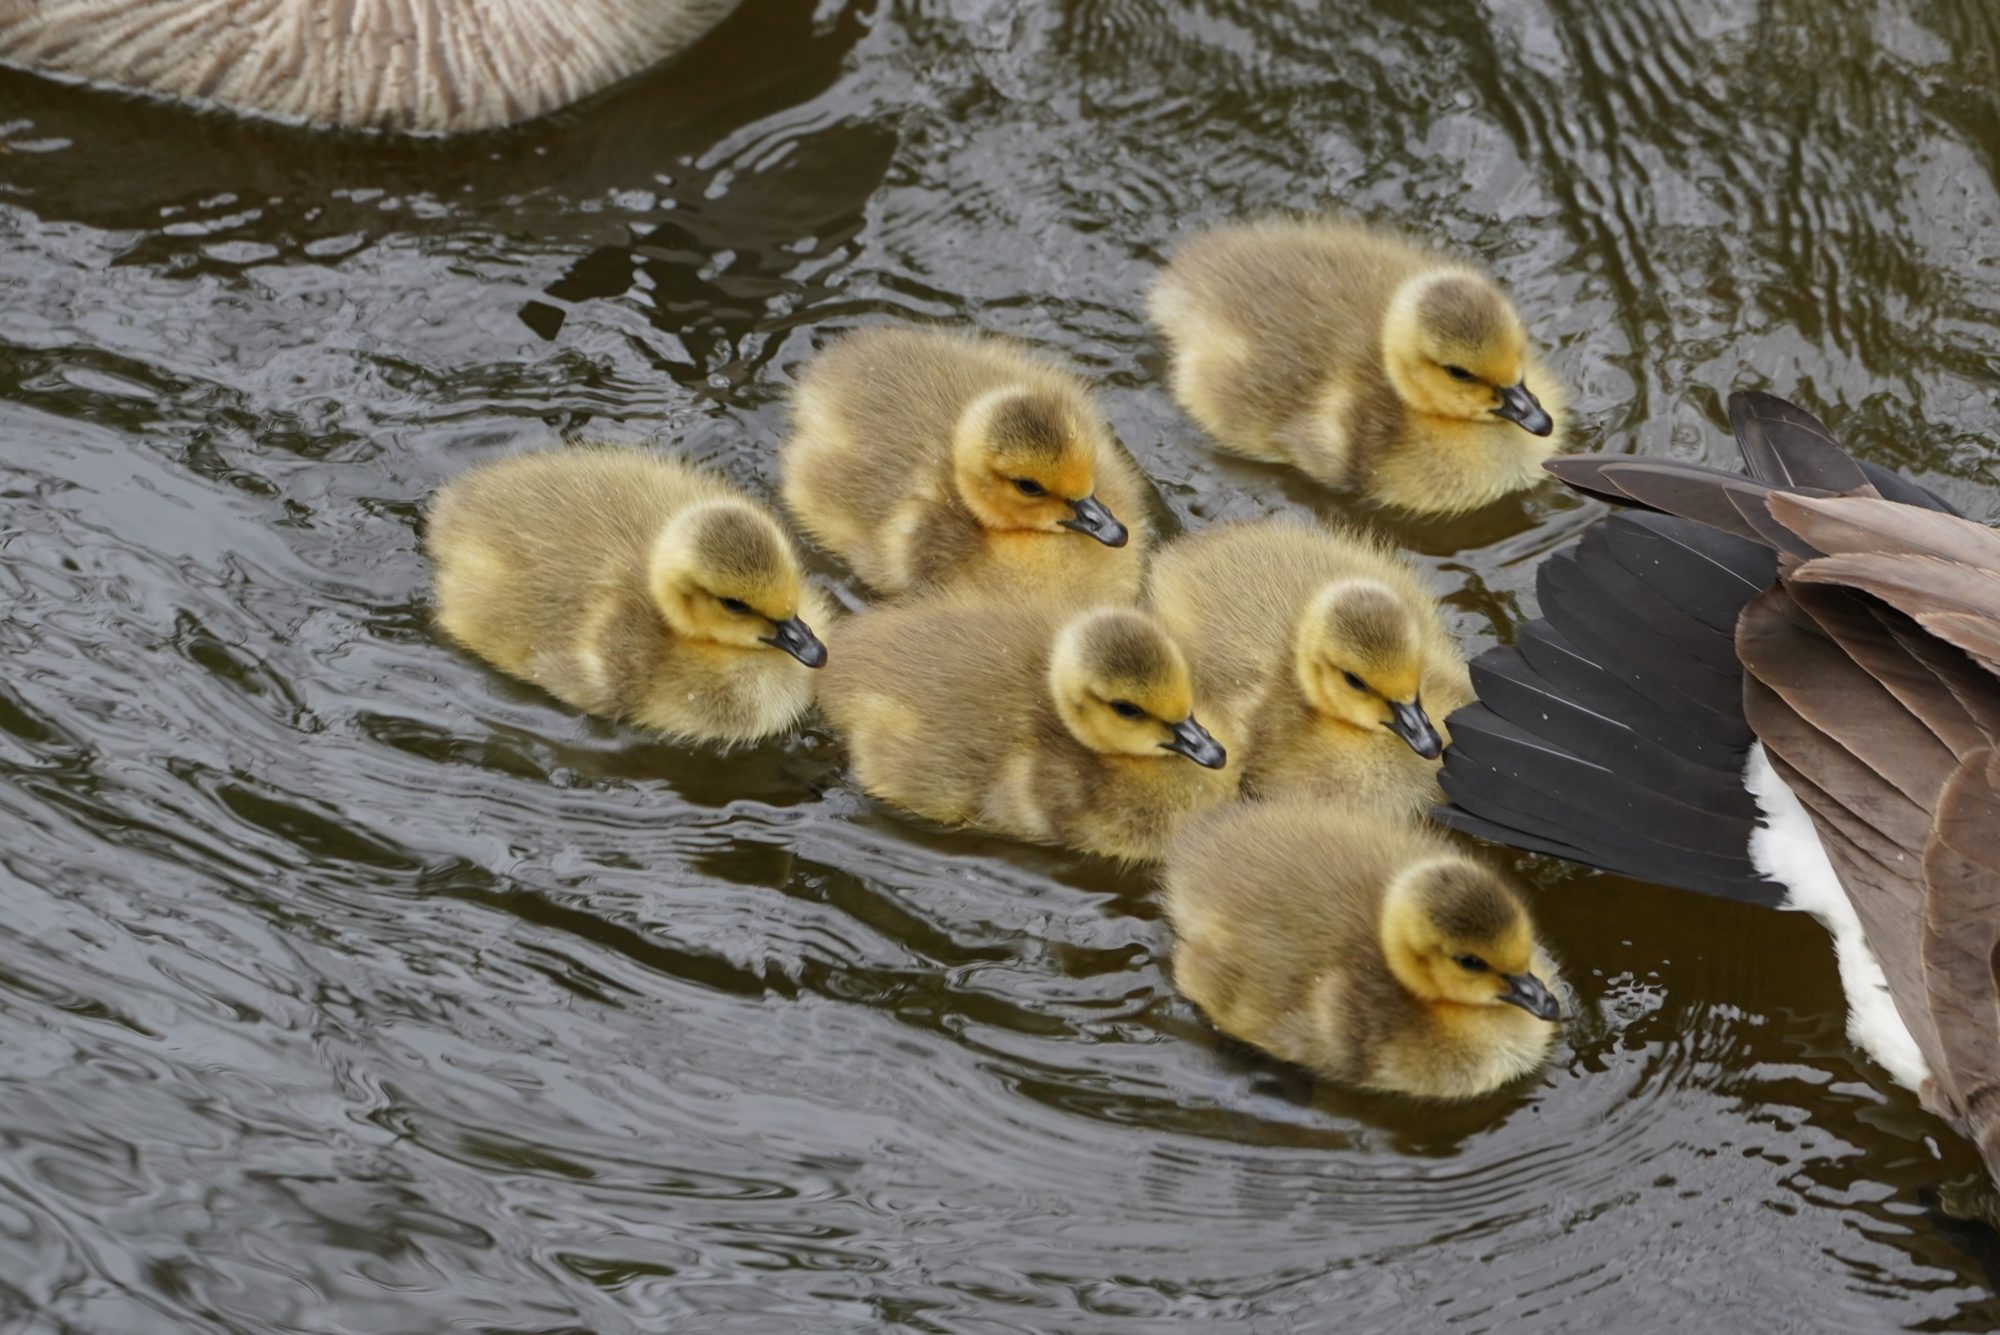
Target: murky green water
[346,986]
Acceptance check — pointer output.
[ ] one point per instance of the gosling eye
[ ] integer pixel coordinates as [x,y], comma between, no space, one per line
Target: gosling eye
[1126,709]
[1027,486]
[737,605]
[1459,373]
[1355,681]
[1471,963]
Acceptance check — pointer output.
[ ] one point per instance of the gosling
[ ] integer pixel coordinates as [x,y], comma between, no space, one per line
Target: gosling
[629,585]
[1369,952]
[925,458]
[1077,731]
[1327,648]
[1354,355]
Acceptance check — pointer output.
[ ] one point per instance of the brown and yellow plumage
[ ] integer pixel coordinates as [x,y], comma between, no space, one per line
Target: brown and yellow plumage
[1369,951]
[1359,358]
[1076,730]
[1328,651]
[928,458]
[629,584]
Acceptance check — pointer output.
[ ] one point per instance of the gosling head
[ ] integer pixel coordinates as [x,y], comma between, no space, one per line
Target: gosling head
[1455,933]
[1454,348]
[723,573]
[1360,661]
[1024,460]
[1123,689]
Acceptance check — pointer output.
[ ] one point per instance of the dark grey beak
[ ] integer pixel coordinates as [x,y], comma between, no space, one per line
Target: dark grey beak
[1192,740]
[1092,518]
[1531,995]
[795,637]
[1523,409]
[1413,725]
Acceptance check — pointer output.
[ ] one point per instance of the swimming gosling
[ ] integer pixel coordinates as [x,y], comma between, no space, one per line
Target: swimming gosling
[1078,731]
[1354,355]
[1368,951]
[927,457]
[1327,647]
[630,585]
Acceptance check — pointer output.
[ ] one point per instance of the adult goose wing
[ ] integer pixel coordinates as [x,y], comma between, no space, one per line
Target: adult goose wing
[1862,619]
[1611,748]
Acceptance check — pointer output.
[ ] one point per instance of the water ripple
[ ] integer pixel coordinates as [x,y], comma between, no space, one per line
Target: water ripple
[352,987]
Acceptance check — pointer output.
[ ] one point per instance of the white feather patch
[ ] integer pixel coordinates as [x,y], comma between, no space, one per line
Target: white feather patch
[1787,849]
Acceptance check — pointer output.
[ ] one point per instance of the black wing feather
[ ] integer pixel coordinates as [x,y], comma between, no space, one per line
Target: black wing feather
[1569,671]
[1612,732]
[1600,627]
[1787,446]
[1658,547]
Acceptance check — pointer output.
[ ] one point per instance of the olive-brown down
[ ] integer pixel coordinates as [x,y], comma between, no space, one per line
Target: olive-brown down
[1275,615]
[906,457]
[1358,357]
[1002,717]
[1341,942]
[627,584]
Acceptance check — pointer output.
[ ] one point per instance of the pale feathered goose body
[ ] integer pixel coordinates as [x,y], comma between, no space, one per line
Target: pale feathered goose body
[419,66]
[1782,688]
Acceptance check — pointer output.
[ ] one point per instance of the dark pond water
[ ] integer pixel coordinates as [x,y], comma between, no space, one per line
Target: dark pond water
[347,987]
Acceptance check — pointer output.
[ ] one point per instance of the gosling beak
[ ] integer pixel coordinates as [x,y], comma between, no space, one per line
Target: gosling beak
[795,637]
[1193,741]
[1413,725]
[1523,409]
[1531,995]
[1093,519]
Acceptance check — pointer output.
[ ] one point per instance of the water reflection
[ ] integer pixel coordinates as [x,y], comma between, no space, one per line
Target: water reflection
[349,986]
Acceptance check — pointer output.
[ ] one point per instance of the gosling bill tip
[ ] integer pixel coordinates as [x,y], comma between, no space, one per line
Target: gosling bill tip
[795,637]
[1093,520]
[1194,741]
[1409,722]
[1523,409]
[1532,995]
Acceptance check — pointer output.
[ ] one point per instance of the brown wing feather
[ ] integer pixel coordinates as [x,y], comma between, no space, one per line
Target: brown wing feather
[1973,686]
[1785,650]
[1688,490]
[1961,951]
[1954,602]
[1973,632]
[1875,868]
[1840,524]
[1866,770]
[1839,791]
[1864,630]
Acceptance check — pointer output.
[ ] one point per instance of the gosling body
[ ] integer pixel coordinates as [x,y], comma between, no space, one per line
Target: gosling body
[1370,952]
[1076,730]
[629,585]
[927,458]
[1360,358]
[1328,651]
